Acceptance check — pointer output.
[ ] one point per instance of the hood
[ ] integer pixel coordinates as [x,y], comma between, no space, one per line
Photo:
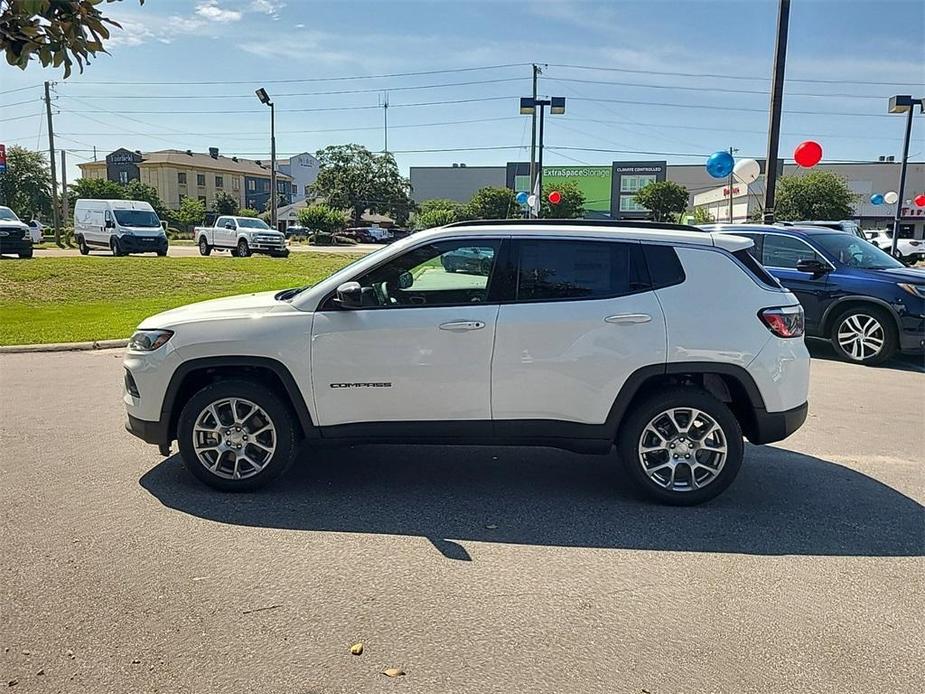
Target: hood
[913,275]
[241,306]
[12,224]
[141,231]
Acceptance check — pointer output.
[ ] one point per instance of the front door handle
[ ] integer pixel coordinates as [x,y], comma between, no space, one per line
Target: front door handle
[628,318]
[460,325]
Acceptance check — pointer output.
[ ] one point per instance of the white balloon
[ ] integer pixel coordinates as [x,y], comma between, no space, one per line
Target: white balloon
[747,170]
[531,201]
[891,197]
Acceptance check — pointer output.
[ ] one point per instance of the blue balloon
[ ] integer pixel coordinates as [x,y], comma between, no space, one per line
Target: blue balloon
[522,198]
[876,199]
[720,164]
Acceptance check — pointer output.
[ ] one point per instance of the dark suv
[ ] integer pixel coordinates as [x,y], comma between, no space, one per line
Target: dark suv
[866,303]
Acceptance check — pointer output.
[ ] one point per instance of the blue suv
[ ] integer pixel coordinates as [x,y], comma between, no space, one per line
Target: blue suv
[866,303]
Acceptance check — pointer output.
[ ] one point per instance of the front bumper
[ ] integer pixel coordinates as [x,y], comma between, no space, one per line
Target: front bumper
[9,244]
[774,426]
[911,333]
[143,244]
[149,432]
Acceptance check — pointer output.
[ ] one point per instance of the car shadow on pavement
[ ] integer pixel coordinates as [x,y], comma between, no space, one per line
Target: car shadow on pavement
[822,349]
[782,502]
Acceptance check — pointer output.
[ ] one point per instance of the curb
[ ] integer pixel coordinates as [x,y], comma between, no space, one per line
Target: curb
[63,346]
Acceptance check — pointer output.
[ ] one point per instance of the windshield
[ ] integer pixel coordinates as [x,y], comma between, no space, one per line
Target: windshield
[251,223]
[852,251]
[8,215]
[137,218]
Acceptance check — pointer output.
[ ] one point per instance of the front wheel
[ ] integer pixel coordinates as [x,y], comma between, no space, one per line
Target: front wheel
[236,435]
[116,247]
[864,335]
[243,249]
[82,246]
[681,446]
[204,247]
[26,253]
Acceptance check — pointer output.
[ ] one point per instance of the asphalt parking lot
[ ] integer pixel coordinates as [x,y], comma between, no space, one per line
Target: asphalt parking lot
[470,569]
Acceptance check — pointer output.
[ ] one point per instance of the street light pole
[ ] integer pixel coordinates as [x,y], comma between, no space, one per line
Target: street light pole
[265,100]
[539,163]
[528,107]
[899,104]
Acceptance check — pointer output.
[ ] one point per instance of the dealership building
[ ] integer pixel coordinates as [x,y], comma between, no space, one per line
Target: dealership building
[609,189]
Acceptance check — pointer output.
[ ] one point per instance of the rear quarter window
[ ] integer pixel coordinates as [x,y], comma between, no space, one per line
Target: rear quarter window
[755,268]
[665,269]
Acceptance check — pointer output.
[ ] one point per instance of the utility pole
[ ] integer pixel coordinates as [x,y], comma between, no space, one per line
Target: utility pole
[56,219]
[536,73]
[385,122]
[732,150]
[94,152]
[64,205]
[777,98]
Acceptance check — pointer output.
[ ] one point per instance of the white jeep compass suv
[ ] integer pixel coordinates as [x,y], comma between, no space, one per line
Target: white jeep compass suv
[667,341]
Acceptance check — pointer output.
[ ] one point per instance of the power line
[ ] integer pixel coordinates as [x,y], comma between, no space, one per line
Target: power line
[375,90]
[720,90]
[326,79]
[19,103]
[7,120]
[20,89]
[727,76]
[730,108]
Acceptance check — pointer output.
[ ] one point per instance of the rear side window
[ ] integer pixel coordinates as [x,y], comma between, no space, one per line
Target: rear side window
[553,270]
[745,257]
[665,268]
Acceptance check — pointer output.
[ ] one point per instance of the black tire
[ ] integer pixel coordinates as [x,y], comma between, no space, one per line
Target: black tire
[280,415]
[25,254]
[82,246]
[854,352]
[162,252]
[204,247]
[116,247]
[243,250]
[634,429]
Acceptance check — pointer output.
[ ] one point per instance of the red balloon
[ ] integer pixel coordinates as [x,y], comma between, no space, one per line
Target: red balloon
[920,200]
[808,154]
[555,197]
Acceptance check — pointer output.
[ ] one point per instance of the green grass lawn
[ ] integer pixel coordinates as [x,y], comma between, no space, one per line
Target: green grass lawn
[99,298]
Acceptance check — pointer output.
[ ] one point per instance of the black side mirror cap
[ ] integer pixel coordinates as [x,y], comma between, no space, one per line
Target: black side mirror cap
[812,266]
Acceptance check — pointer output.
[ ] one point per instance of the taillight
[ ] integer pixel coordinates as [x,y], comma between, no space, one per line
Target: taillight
[784,321]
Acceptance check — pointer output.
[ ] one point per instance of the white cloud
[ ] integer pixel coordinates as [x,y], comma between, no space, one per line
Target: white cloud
[211,11]
[270,8]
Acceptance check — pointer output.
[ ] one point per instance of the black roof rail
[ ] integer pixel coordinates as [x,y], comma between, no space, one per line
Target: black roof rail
[615,223]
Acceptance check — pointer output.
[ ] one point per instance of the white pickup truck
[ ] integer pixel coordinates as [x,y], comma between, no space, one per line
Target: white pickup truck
[242,236]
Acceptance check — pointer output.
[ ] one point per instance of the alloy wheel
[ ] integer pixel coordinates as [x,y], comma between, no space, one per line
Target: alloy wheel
[234,438]
[682,449]
[860,336]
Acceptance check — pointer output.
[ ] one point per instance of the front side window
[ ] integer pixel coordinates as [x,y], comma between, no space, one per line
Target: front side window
[786,251]
[252,223]
[551,270]
[852,251]
[445,273]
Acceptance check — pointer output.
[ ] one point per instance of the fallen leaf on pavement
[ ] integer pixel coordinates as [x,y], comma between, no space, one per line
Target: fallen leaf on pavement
[356,649]
[393,672]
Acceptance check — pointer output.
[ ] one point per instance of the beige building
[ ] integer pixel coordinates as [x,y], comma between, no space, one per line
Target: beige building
[178,174]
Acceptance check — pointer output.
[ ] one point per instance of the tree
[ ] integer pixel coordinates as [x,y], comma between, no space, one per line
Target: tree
[664,199]
[94,189]
[191,212]
[248,212]
[815,195]
[136,190]
[436,217]
[701,215]
[225,203]
[56,32]
[493,203]
[353,178]
[458,208]
[322,218]
[571,206]
[26,186]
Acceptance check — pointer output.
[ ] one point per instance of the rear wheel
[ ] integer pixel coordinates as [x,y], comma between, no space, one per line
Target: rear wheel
[243,249]
[82,246]
[864,335]
[204,247]
[681,446]
[236,435]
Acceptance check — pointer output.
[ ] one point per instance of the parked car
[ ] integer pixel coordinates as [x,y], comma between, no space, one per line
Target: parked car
[122,226]
[474,260]
[296,231]
[867,304]
[242,236]
[909,250]
[581,335]
[847,225]
[36,230]
[15,238]
[369,234]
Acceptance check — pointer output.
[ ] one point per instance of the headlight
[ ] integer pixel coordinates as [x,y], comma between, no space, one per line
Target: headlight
[914,289]
[149,340]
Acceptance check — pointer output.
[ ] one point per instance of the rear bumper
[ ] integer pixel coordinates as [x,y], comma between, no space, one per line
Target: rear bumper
[774,426]
[143,244]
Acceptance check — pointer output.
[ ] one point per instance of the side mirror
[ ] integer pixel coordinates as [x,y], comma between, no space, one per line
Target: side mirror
[813,266]
[349,295]
[110,224]
[405,280]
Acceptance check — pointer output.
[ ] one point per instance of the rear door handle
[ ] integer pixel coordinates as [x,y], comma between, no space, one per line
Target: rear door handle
[628,318]
[461,325]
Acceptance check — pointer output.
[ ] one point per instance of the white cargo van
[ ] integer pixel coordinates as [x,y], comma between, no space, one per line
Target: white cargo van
[122,226]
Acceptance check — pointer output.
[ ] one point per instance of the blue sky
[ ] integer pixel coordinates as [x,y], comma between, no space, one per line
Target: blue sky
[240,44]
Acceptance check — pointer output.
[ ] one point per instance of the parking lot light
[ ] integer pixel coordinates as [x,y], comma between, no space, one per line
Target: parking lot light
[903,103]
